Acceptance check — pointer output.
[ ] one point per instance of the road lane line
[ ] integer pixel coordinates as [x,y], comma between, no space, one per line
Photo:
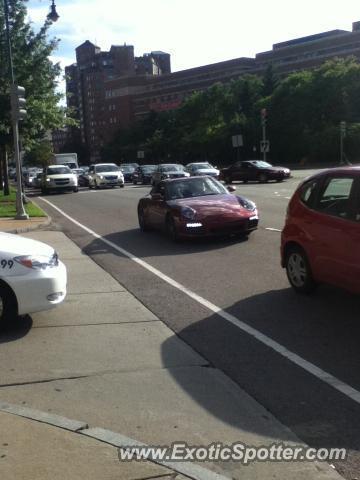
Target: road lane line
[317,372]
[273,229]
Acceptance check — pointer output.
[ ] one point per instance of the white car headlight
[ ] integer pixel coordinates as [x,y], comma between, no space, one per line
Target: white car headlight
[38,262]
[101,177]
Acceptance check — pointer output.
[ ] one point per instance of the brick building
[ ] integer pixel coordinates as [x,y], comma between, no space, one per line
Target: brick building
[85,88]
[111,90]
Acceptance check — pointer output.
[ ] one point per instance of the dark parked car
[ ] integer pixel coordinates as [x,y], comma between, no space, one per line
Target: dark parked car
[196,206]
[320,240]
[254,170]
[83,179]
[143,174]
[168,170]
[128,171]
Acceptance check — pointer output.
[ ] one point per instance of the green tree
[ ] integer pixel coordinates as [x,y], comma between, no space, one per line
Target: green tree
[40,155]
[33,70]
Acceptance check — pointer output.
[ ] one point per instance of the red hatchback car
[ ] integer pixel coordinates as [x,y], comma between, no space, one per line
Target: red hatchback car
[321,238]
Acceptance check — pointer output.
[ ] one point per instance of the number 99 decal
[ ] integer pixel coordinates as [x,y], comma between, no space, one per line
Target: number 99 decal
[6,263]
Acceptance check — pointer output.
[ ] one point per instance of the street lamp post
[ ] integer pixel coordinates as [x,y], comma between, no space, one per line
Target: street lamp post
[17,112]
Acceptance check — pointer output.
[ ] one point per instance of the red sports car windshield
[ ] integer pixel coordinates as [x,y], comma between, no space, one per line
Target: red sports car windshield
[194,187]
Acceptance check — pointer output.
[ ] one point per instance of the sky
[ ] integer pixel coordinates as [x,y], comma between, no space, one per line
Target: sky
[194,32]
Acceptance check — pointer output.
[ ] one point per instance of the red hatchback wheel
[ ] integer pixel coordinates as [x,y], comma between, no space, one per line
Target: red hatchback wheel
[298,271]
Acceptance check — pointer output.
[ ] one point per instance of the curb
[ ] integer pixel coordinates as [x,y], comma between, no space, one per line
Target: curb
[117,440]
[30,228]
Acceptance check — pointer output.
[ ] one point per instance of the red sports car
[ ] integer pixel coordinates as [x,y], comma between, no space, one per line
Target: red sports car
[196,206]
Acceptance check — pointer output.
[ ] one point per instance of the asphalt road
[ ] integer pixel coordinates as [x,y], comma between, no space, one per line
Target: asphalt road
[244,279]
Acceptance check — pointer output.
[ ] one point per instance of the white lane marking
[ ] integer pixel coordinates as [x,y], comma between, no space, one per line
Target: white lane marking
[272,229]
[277,347]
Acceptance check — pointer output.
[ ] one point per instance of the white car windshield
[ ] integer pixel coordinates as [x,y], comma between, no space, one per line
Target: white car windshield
[148,168]
[195,187]
[171,168]
[261,164]
[58,170]
[200,166]
[106,168]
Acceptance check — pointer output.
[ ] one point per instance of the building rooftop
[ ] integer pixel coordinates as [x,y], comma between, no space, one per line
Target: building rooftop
[310,38]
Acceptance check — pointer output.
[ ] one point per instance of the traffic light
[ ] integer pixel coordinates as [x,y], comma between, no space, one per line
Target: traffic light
[263,116]
[18,102]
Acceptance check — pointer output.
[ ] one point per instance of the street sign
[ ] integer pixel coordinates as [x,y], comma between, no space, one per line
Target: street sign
[237,141]
[264,146]
[140,154]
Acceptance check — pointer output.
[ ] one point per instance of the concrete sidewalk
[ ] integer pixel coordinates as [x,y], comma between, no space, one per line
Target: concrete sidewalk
[11,225]
[107,362]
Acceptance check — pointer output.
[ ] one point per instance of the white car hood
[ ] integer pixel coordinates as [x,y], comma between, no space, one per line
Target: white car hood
[108,174]
[205,171]
[60,176]
[18,245]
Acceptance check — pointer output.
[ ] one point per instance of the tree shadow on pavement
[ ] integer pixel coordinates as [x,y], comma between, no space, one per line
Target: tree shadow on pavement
[323,329]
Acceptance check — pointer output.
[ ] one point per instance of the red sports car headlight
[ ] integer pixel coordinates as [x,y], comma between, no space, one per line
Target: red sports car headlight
[188,213]
[247,204]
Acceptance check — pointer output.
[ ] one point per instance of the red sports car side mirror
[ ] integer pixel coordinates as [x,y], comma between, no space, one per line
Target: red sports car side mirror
[156,196]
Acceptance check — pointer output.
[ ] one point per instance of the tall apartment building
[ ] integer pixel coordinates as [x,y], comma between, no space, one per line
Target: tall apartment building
[111,90]
[85,86]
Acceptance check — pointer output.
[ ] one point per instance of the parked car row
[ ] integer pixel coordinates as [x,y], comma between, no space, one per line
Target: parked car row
[248,170]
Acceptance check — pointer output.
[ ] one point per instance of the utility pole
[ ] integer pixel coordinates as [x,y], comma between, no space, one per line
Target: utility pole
[17,113]
[264,144]
[342,136]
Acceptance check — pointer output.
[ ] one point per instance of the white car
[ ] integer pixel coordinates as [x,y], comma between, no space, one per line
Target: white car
[59,178]
[105,175]
[32,278]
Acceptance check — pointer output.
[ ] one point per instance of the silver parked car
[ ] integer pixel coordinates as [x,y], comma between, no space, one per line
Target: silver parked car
[202,168]
[168,170]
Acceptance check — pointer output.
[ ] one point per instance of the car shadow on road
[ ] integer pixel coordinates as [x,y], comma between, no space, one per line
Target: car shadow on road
[323,329]
[155,244]
[18,328]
